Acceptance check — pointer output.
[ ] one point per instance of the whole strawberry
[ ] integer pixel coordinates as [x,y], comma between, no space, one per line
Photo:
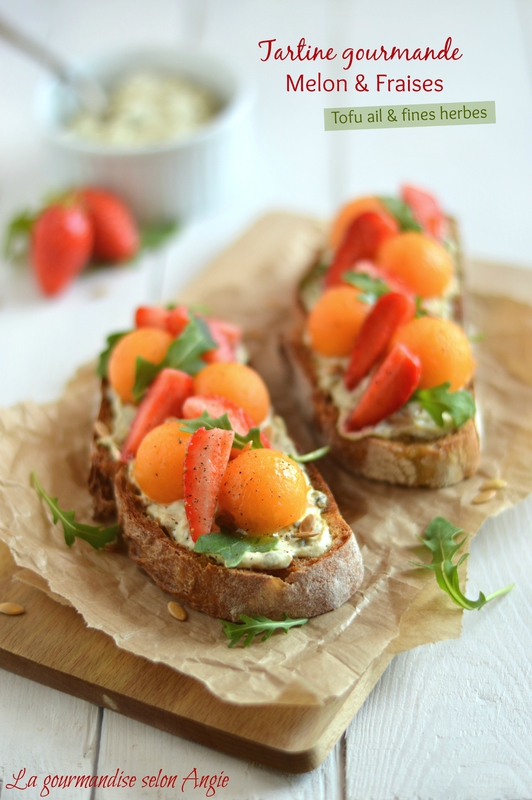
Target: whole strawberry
[61,245]
[116,236]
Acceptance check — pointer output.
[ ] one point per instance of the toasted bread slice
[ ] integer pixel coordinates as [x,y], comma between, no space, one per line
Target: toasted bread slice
[306,588]
[402,459]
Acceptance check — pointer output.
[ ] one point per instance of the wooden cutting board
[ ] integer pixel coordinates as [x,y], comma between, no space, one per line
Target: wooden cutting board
[52,645]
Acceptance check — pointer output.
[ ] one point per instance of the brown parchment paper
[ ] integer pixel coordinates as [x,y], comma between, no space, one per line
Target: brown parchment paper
[397,607]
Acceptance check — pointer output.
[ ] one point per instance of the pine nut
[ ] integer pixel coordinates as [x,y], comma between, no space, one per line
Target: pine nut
[493,483]
[306,528]
[11,609]
[299,534]
[484,497]
[177,611]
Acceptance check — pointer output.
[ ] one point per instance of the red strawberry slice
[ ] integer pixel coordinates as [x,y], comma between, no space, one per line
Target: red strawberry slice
[223,352]
[206,460]
[226,337]
[389,312]
[173,320]
[392,385]
[217,406]
[393,283]
[362,240]
[426,210]
[178,319]
[116,236]
[232,333]
[164,398]
[152,317]
[61,244]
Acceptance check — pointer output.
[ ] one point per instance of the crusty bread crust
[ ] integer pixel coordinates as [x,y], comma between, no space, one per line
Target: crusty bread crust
[308,587]
[403,460]
[102,468]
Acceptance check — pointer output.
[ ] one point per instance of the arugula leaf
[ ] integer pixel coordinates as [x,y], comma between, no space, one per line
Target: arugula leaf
[439,538]
[255,626]
[185,351]
[312,456]
[105,355]
[241,440]
[145,373]
[207,422]
[96,535]
[372,288]
[155,235]
[184,354]
[460,405]
[420,311]
[233,548]
[223,422]
[17,235]
[401,212]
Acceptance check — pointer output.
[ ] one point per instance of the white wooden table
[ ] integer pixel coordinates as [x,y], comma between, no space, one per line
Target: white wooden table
[450,720]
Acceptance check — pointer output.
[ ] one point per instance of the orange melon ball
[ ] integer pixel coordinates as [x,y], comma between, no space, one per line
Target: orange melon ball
[443,349]
[263,491]
[335,321]
[348,213]
[238,383]
[423,264]
[150,343]
[158,467]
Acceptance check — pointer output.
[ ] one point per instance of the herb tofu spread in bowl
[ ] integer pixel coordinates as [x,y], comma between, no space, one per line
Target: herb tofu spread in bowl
[173,139]
[147,107]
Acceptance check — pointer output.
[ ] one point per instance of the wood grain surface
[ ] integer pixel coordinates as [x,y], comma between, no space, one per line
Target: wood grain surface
[52,645]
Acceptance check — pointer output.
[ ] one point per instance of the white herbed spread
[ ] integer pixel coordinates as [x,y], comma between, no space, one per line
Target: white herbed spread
[172,516]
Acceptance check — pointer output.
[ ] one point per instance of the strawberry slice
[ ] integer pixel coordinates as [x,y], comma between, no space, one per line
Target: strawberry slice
[426,210]
[392,385]
[205,463]
[361,241]
[164,398]
[217,406]
[389,312]
[393,283]
[172,320]
[152,317]
[178,319]
[226,336]
[232,333]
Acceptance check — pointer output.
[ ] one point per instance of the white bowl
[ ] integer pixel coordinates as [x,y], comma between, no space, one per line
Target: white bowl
[178,179]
